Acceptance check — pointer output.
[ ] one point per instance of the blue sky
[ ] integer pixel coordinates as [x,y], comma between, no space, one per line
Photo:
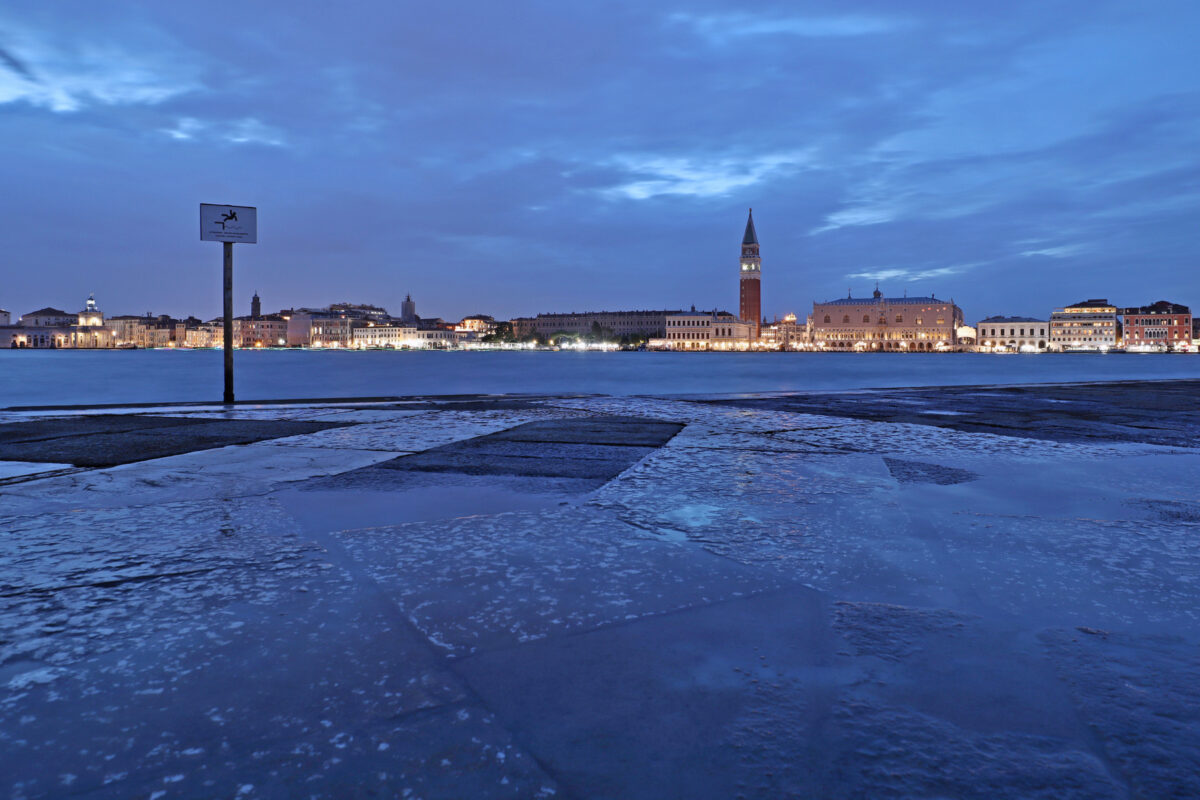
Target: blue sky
[511,158]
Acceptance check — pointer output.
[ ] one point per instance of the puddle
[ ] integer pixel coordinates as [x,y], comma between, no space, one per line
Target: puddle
[320,511]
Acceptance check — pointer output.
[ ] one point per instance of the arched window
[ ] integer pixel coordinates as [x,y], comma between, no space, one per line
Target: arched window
[866,319]
[827,318]
[846,320]
[899,318]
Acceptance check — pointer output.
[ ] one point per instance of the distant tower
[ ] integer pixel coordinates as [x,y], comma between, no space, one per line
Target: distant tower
[255,307]
[91,316]
[750,283]
[408,309]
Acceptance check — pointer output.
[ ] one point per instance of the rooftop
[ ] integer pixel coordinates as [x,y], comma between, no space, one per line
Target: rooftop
[1161,307]
[903,301]
[1010,319]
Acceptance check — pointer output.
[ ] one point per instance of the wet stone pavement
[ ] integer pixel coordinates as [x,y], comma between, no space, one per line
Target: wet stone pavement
[973,593]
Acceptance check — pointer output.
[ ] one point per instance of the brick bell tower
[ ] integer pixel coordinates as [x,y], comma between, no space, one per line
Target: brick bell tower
[750,279]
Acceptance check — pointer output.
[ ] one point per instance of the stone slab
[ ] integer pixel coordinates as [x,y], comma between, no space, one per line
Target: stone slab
[105,441]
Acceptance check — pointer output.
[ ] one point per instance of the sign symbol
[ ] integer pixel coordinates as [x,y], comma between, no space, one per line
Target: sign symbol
[230,217]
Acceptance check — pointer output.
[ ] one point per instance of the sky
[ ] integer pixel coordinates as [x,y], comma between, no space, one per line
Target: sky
[524,157]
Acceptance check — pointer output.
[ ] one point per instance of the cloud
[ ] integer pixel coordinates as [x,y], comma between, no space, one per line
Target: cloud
[187,128]
[1061,251]
[68,78]
[894,273]
[253,131]
[863,215]
[698,177]
[242,131]
[17,66]
[719,28]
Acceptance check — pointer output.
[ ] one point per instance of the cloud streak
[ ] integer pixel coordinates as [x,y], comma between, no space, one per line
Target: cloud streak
[700,176]
[721,28]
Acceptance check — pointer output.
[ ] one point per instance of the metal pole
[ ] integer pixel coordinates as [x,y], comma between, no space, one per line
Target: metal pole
[228,246]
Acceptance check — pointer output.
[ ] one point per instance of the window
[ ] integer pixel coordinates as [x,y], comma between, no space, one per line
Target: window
[846,319]
[899,318]
[866,318]
[826,318]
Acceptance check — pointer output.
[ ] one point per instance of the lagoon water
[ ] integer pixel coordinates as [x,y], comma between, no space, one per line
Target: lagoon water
[49,377]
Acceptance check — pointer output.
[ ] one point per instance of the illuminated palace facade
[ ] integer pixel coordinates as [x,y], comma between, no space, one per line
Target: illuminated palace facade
[896,324]
[750,280]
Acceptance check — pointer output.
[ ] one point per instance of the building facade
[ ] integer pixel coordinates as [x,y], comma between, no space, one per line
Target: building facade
[1089,325]
[205,334]
[1012,334]
[330,330]
[649,324]
[1160,326]
[750,279]
[896,324]
[784,334]
[265,330]
[481,324]
[28,336]
[391,336]
[705,330]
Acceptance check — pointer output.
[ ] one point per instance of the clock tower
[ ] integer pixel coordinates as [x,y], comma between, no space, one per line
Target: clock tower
[750,280]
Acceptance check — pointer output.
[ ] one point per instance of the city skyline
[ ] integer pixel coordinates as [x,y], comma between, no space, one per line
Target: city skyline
[1013,159]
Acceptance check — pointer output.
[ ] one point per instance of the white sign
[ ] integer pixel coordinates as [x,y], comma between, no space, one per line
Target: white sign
[228,223]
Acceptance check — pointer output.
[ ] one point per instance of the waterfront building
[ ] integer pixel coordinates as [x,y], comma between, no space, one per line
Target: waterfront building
[648,324]
[330,330]
[750,279]
[1160,326]
[28,336]
[1012,334]
[1090,325]
[299,328]
[438,338]
[523,327]
[896,324]
[784,334]
[205,334]
[89,331]
[481,324]
[392,336]
[124,328]
[48,318]
[705,330]
[265,330]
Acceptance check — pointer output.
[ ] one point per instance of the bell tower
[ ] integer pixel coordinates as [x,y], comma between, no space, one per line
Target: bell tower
[750,279]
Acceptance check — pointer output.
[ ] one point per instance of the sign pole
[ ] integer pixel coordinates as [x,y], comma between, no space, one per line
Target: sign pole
[228,248]
[228,225]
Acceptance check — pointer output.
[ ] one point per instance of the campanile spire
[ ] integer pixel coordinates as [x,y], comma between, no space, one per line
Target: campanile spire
[750,279]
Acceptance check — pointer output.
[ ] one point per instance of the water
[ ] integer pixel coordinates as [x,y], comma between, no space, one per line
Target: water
[47,377]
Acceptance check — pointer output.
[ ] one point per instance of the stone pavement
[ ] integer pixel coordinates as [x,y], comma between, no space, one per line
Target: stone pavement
[845,596]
